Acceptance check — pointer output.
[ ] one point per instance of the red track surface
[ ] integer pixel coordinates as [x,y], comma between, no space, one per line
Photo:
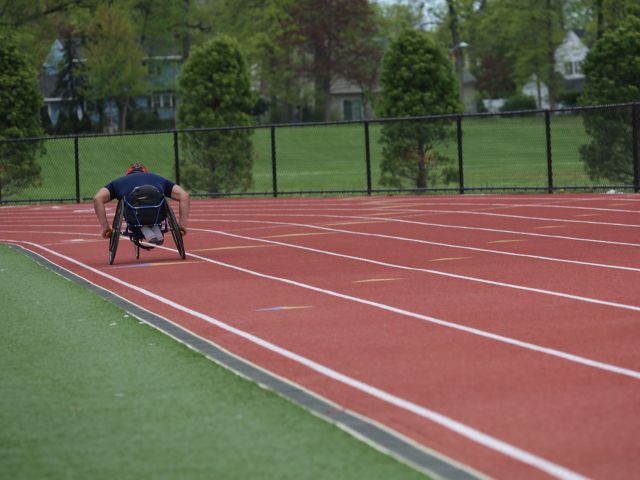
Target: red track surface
[500,331]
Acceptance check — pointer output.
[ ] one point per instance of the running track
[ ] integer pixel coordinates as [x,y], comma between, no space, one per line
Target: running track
[498,333]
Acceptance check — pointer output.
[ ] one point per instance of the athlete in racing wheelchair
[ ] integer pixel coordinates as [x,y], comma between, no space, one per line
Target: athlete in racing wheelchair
[147,215]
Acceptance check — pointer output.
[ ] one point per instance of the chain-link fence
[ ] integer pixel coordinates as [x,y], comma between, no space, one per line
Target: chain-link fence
[577,149]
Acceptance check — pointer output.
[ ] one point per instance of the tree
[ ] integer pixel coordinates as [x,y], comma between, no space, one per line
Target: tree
[20,102]
[258,25]
[333,38]
[522,35]
[417,79]
[612,75]
[71,80]
[216,92]
[114,66]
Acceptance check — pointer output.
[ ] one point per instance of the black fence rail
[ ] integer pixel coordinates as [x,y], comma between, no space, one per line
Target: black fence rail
[575,149]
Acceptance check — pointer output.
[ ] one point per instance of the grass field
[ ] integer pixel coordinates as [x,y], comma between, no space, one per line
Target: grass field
[90,392]
[497,152]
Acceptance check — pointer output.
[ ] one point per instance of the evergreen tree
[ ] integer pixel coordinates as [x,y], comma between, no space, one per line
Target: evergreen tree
[612,71]
[215,90]
[71,81]
[20,102]
[417,79]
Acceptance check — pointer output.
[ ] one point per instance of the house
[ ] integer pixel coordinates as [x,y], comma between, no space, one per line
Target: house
[569,57]
[348,101]
[54,102]
[160,102]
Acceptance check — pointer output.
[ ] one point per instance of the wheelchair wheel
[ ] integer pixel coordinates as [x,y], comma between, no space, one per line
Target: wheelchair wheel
[116,231]
[175,232]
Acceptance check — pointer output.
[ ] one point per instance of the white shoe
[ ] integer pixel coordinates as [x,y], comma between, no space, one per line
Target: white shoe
[152,234]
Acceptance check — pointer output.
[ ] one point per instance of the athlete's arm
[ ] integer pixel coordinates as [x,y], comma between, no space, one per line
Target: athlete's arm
[101,198]
[180,194]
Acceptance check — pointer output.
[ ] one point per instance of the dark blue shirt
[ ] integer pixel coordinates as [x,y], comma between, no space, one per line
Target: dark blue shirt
[123,186]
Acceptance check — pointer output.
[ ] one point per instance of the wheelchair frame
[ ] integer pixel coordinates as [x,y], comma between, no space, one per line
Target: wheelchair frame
[168,224]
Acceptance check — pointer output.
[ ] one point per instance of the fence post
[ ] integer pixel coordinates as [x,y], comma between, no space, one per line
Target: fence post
[176,155]
[635,111]
[367,156]
[547,124]
[274,166]
[460,161]
[76,156]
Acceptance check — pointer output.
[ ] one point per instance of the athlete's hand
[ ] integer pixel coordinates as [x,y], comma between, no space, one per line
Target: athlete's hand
[106,232]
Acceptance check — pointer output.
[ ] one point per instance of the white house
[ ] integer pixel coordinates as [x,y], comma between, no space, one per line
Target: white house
[569,57]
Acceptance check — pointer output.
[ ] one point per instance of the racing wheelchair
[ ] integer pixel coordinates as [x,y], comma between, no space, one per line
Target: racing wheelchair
[145,206]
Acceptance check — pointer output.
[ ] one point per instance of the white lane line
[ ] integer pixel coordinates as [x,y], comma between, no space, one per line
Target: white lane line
[460,428]
[569,296]
[524,217]
[427,224]
[440,244]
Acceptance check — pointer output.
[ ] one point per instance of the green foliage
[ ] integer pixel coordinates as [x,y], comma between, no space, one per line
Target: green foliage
[417,79]
[20,102]
[519,101]
[216,92]
[332,39]
[612,71]
[114,59]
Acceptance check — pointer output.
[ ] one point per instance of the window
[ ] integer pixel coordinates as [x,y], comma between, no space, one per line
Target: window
[162,100]
[577,67]
[568,68]
[352,109]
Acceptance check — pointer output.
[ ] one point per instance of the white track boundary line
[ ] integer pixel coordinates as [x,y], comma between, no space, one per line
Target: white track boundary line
[460,428]
[426,270]
[467,212]
[464,212]
[415,222]
[474,331]
[440,244]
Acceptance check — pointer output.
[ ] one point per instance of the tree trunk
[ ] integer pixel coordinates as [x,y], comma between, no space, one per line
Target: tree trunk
[456,49]
[599,19]
[551,60]
[421,180]
[123,107]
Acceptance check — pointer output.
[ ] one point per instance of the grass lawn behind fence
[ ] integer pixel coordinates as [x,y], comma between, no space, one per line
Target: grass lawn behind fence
[508,151]
[89,392]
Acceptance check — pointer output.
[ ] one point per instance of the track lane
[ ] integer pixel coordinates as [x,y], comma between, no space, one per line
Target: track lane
[296,324]
[407,381]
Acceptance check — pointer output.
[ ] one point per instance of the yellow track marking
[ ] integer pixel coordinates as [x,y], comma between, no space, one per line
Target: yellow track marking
[346,223]
[298,234]
[380,214]
[237,247]
[179,262]
[371,280]
[444,259]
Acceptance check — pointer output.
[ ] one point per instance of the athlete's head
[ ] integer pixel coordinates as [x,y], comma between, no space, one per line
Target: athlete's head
[136,168]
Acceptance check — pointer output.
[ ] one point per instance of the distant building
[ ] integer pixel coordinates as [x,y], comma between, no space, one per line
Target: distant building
[569,58]
[160,102]
[348,101]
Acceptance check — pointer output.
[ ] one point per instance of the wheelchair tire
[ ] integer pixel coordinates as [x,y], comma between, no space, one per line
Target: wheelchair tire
[174,226]
[116,230]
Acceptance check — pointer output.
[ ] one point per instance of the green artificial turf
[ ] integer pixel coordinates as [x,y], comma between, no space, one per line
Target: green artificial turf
[89,392]
[509,151]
